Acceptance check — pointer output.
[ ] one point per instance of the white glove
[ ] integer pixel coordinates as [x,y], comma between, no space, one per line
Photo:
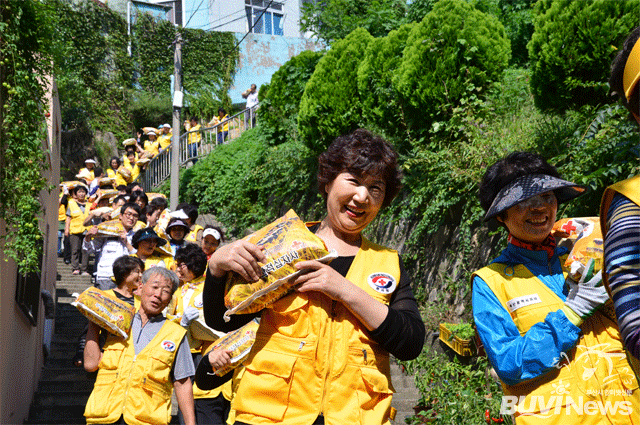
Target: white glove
[190,313]
[586,297]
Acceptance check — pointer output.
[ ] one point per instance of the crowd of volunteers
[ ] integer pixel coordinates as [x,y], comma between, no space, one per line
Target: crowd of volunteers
[558,341]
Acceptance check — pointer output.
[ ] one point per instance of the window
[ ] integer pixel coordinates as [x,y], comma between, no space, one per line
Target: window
[28,294]
[265,16]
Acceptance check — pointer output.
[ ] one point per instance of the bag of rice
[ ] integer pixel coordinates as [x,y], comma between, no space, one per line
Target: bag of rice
[240,343]
[583,236]
[112,228]
[286,242]
[106,311]
[129,142]
[124,171]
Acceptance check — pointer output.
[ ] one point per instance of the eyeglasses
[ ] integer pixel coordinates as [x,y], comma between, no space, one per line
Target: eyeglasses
[131,215]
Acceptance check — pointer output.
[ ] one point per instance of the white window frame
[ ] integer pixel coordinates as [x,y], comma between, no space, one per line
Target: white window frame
[254,8]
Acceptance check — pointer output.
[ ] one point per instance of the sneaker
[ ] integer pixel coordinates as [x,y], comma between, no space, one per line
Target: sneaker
[76,272]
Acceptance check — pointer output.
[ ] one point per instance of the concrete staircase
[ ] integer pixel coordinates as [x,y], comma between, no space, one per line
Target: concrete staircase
[406,395]
[63,389]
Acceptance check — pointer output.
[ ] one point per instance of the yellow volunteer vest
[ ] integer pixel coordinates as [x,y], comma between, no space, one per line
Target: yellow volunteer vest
[192,294]
[194,135]
[118,178]
[137,387]
[595,371]
[313,356]
[153,261]
[153,147]
[135,172]
[91,173]
[164,140]
[193,233]
[76,225]
[62,213]
[629,188]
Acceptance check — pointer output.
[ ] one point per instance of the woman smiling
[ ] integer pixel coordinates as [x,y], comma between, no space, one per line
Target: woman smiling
[322,353]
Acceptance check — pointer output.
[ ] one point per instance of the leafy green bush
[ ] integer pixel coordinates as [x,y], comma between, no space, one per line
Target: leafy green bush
[382,108]
[517,18]
[279,101]
[330,105]
[452,392]
[604,151]
[93,70]
[148,108]
[333,20]
[455,52]
[572,47]
[25,58]
[209,60]
[248,183]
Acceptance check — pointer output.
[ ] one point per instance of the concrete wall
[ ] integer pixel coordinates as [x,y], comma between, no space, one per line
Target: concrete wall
[21,351]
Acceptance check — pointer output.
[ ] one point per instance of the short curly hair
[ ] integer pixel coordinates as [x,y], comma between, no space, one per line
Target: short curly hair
[193,257]
[361,153]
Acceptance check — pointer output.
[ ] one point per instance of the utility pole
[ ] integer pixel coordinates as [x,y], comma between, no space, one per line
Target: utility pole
[177,106]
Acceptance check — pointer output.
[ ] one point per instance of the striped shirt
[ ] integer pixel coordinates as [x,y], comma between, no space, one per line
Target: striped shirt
[622,265]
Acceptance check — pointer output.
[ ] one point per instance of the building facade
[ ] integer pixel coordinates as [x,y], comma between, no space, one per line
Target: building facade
[25,332]
[268,31]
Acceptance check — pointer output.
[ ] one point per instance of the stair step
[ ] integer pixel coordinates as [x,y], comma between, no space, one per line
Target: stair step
[58,398]
[56,415]
[64,374]
[65,386]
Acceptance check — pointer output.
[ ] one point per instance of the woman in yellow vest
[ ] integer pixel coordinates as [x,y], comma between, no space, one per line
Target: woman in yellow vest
[145,242]
[152,145]
[620,210]
[112,172]
[74,228]
[194,137]
[559,359]
[212,406]
[195,230]
[222,121]
[321,355]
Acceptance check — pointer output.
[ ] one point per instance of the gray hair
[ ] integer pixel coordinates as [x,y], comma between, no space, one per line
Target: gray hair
[166,273]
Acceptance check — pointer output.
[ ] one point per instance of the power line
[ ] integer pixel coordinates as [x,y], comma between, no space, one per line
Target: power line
[193,13]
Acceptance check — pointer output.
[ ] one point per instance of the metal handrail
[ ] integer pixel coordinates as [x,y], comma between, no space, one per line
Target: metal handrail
[159,169]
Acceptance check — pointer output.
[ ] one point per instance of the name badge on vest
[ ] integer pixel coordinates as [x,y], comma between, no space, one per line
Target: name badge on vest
[168,345]
[523,301]
[382,282]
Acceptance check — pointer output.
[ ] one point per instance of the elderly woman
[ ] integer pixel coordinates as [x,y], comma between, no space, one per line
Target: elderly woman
[322,353]
[145,242]
[555,353]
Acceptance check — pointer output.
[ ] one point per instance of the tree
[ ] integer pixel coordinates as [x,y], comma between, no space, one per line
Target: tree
[331,105]
[456,51]
[382,108]
[333,20]
[280,100]
[572,47]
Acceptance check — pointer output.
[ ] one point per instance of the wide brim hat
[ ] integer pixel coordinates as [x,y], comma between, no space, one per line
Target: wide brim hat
[528,186]
[145,234]
[89,161]
[178,223]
